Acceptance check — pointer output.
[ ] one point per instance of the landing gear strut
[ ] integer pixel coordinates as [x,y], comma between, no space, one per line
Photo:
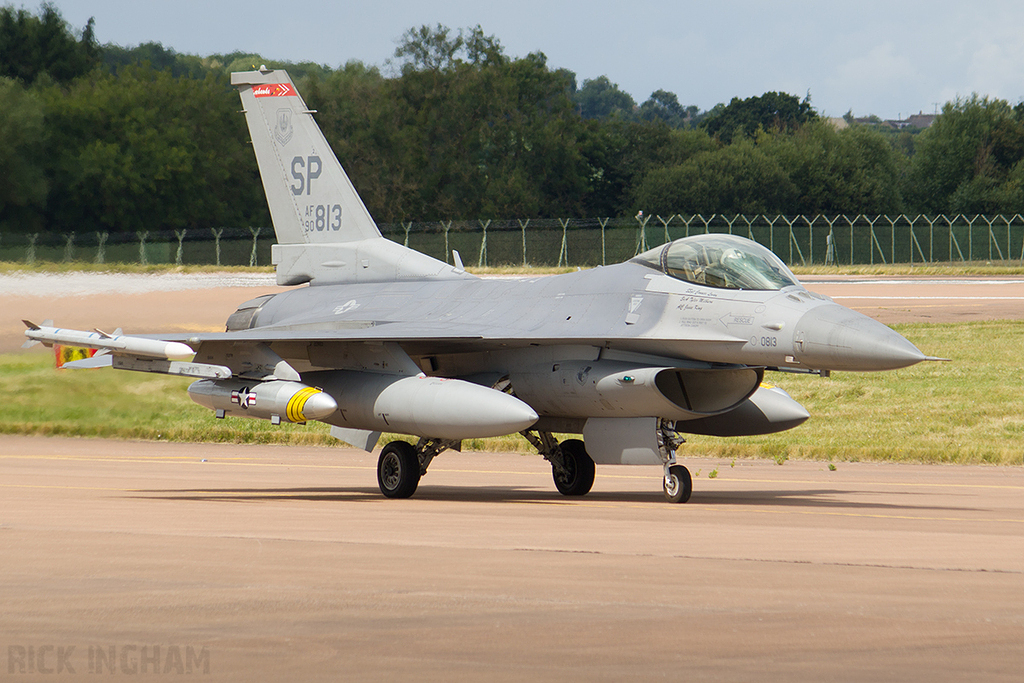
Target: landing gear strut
[571,466]
[401,464]
[677,483]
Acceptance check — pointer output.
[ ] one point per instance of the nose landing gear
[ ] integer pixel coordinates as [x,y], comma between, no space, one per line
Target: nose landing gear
[677,483]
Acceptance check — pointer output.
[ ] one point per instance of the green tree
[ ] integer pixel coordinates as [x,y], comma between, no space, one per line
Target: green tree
[964,162]
[143,150]
[738,179]
[154,54]
[851,171]
[621,153]
[772,111]
[463,132]
[22,138]
[600,98]
[664,106]
[32,45]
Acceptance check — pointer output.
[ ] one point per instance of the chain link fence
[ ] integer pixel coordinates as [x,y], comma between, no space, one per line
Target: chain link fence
[798,240]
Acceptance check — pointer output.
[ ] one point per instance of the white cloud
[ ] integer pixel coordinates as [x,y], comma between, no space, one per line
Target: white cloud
[995,69]
[880,68]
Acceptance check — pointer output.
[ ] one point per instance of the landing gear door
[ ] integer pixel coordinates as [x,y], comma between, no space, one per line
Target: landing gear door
[622,440]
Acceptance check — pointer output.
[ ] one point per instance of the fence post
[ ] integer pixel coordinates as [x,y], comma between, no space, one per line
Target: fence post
[523,226]
[603,223]
[142,235]
[892,232]
[810,237]
[686,222]
[931,237]
[255,236]
[750,226]
[101,250]
[874,239]
[180,234]
[793,241]
[992,238]
[970,236]
[847,219]
[771,231]
[216,241]
[446,227]
[830,241]
[641,239]
[30,255]
[482,261]
[665,224]
[730,222]
[952,238]
[913,240]
[1009,246]
[1021,243]
[706,221]
[563,253]
[69,247]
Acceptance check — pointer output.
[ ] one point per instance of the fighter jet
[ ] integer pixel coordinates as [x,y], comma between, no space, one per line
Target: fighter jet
[374,337]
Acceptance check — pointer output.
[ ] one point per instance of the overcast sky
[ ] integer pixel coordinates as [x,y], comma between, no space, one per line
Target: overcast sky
[889,58]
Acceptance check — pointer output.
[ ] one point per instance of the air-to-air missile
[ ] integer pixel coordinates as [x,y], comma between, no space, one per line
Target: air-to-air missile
[117,342]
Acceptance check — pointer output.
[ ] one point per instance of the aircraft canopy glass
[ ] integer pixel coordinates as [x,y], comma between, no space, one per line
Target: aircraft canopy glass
[724,261]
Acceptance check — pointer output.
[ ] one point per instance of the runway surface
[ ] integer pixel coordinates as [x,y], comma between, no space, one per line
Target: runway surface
[909,299]
[286,563]
[270,563]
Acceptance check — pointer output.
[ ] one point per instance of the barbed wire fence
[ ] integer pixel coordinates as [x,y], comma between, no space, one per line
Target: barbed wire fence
[572,242]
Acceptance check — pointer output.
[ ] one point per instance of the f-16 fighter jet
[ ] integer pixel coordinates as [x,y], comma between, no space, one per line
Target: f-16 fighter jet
[385,339]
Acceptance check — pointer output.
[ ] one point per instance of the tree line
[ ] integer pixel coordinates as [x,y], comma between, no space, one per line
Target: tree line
[108,138]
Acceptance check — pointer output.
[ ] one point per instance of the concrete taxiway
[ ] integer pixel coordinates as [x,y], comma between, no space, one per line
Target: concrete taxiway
[278,563]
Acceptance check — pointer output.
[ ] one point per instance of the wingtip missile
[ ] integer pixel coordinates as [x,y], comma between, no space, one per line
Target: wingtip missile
[135,346]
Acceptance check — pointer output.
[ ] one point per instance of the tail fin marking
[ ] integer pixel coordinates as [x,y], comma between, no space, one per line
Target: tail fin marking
[311,197]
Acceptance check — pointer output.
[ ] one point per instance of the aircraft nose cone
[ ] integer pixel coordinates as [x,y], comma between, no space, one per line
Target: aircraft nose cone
[832,337]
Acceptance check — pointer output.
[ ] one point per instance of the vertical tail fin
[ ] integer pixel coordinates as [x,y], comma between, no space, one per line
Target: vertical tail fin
[311,197]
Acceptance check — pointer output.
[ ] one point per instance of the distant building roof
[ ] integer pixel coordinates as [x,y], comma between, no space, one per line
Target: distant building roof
[921,120]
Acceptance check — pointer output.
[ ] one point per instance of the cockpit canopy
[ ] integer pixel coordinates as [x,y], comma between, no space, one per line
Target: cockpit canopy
[723,261]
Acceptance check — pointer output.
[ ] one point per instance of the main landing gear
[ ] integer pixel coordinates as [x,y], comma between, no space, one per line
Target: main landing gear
[401,464]
[571,467]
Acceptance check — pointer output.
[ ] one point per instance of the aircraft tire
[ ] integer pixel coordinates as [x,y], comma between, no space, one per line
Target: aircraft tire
[398,470]
[679,485]
[581,469]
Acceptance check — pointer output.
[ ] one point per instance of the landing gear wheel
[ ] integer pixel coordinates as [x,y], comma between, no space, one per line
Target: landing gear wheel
[678,485]
[580,469]
[398,470]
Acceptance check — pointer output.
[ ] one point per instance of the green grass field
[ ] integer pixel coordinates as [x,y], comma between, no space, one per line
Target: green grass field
[970,410]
